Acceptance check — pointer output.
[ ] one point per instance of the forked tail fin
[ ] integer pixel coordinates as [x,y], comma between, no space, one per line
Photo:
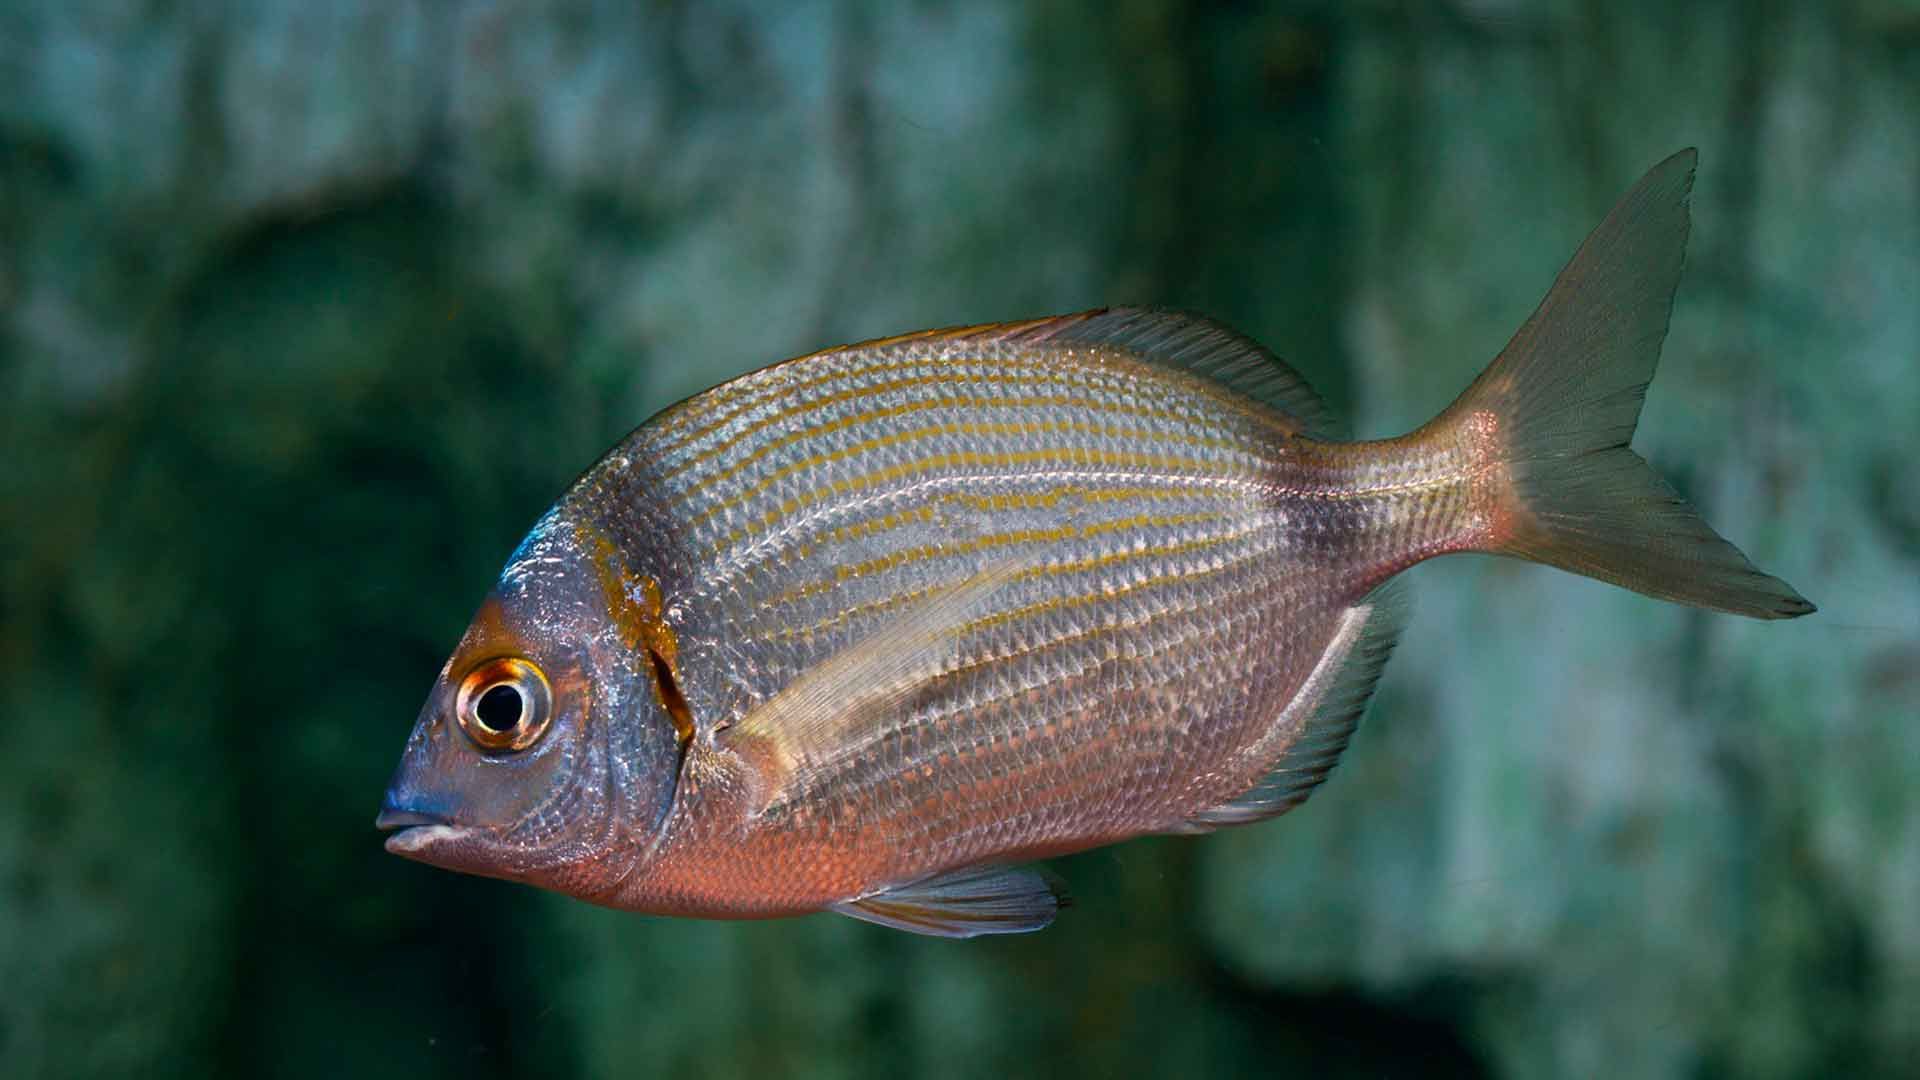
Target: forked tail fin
[1561,401]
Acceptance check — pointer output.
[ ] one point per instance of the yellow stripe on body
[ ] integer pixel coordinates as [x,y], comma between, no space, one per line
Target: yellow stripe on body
[1064,455]
[877,526]
[1060,458]
[1160,675]
[1000,502]
[1009,652]
[1028,401]
[780,381]
[686,422]
[1102,367]
[1044,570]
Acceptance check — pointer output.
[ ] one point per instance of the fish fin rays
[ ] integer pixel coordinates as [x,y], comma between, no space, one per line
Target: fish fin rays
[965,903]
[1347,675]
[1202,347]
[1192,344]
[834,704]
[1561,402]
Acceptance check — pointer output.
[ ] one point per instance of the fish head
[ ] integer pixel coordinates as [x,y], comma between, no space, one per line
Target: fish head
[542,754]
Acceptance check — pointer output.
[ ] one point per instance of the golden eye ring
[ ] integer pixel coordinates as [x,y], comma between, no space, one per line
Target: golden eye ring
[504,704]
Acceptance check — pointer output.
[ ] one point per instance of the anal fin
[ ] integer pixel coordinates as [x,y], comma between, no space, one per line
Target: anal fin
[1338,691]
[964,903]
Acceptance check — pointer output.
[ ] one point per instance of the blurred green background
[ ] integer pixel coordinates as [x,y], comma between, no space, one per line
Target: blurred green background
[307,310]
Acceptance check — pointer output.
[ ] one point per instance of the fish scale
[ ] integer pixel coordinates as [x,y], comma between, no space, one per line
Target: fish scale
[723,484]
[858,630]
[1153,639]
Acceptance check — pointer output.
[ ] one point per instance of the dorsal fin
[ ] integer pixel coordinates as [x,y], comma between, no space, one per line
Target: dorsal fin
[1348,673]
[1200,346]
[1190,343]
[838,702]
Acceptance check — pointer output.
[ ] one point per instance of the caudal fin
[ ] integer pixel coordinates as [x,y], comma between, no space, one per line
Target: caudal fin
[1562,400]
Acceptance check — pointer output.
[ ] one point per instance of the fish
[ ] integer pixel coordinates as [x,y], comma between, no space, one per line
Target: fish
[879,629]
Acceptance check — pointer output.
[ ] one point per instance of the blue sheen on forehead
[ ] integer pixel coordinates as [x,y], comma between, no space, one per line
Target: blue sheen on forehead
[544,545]
[537,536]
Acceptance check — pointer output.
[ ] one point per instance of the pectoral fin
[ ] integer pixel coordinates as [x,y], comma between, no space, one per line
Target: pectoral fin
[842,700]
[965,903]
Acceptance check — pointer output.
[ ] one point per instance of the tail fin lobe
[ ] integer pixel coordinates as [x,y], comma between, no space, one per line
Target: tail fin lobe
[1564,397]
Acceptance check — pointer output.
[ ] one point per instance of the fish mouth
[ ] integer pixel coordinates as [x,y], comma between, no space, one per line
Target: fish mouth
[413,839]
[392,817]
[415,830]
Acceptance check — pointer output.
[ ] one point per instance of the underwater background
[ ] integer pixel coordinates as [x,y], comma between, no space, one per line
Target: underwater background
[307,310]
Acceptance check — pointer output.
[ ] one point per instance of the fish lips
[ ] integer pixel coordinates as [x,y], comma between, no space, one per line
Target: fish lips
[417,832]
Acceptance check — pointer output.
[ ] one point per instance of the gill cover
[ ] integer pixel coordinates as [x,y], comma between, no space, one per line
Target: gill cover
[545,743]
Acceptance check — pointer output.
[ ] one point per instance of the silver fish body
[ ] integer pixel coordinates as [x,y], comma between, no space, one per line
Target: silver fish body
[1173,580]
[881,620]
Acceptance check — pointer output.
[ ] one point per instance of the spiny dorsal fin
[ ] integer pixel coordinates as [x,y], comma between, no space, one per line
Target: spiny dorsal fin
[1189,343]
[1340,687]
[1199,346]
[964,903]
[835,704]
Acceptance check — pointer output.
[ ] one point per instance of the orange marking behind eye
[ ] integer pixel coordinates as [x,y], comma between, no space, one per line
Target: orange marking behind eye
[663,649]
[635,605]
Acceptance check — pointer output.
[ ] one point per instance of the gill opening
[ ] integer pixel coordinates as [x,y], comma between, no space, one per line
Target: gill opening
[667,688]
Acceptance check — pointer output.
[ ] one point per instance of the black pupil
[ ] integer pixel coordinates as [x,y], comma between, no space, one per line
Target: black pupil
[499,708]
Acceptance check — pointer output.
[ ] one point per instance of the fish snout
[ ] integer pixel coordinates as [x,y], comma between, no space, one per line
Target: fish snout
[414,824]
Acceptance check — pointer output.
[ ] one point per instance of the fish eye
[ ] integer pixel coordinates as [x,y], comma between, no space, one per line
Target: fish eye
[498,710]
[504,704]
